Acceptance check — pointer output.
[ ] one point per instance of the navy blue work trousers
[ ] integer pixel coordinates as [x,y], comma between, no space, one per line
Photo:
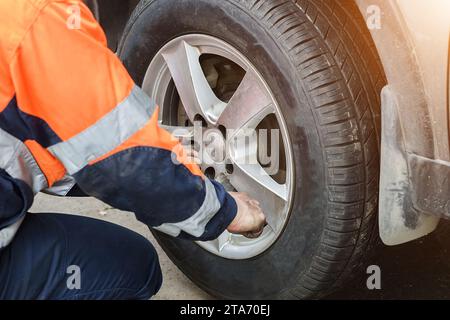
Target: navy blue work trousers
[55,256]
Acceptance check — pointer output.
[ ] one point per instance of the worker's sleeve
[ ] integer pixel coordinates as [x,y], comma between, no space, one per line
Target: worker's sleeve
[87,117]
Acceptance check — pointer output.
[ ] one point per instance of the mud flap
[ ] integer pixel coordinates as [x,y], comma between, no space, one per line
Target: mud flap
[399,221]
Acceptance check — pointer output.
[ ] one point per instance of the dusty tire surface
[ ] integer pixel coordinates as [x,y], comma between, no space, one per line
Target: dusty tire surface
[320,63]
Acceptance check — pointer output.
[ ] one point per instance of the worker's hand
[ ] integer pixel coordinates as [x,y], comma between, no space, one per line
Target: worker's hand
[250,220]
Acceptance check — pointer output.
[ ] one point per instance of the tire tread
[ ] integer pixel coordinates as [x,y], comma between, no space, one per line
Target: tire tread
[345,93]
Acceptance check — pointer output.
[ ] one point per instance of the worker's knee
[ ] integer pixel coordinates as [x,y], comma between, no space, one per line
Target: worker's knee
[72,257]
[149,271]
[115,262]
[121,265]
[137,267]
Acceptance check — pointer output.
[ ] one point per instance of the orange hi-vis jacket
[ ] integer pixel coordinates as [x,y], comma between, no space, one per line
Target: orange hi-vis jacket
[71,115]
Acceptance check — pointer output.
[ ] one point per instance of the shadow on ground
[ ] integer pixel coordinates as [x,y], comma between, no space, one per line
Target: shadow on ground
[417,270]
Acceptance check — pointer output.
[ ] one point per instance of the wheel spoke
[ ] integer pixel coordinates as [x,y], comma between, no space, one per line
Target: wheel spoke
[182,133]
[252,179]
[248,106]
[191,83]
[223,240]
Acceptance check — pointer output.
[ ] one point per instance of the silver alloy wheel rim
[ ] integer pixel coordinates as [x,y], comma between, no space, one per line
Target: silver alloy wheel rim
[179,60]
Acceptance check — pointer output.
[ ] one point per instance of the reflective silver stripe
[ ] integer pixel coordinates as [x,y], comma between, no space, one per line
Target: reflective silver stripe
[7,234]
[19,163]
[108,133]
[17,160]
[196,224]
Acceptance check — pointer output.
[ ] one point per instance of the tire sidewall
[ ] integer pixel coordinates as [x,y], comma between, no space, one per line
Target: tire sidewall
[281,267]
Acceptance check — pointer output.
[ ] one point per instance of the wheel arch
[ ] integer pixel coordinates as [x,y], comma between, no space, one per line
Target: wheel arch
[413,188]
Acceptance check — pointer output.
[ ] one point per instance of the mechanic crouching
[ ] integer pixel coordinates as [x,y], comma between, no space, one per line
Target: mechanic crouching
[72,121]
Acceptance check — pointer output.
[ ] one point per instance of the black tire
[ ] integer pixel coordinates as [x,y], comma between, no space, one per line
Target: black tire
[320,62]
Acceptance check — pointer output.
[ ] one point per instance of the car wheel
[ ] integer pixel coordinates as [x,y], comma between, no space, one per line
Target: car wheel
[304,69]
